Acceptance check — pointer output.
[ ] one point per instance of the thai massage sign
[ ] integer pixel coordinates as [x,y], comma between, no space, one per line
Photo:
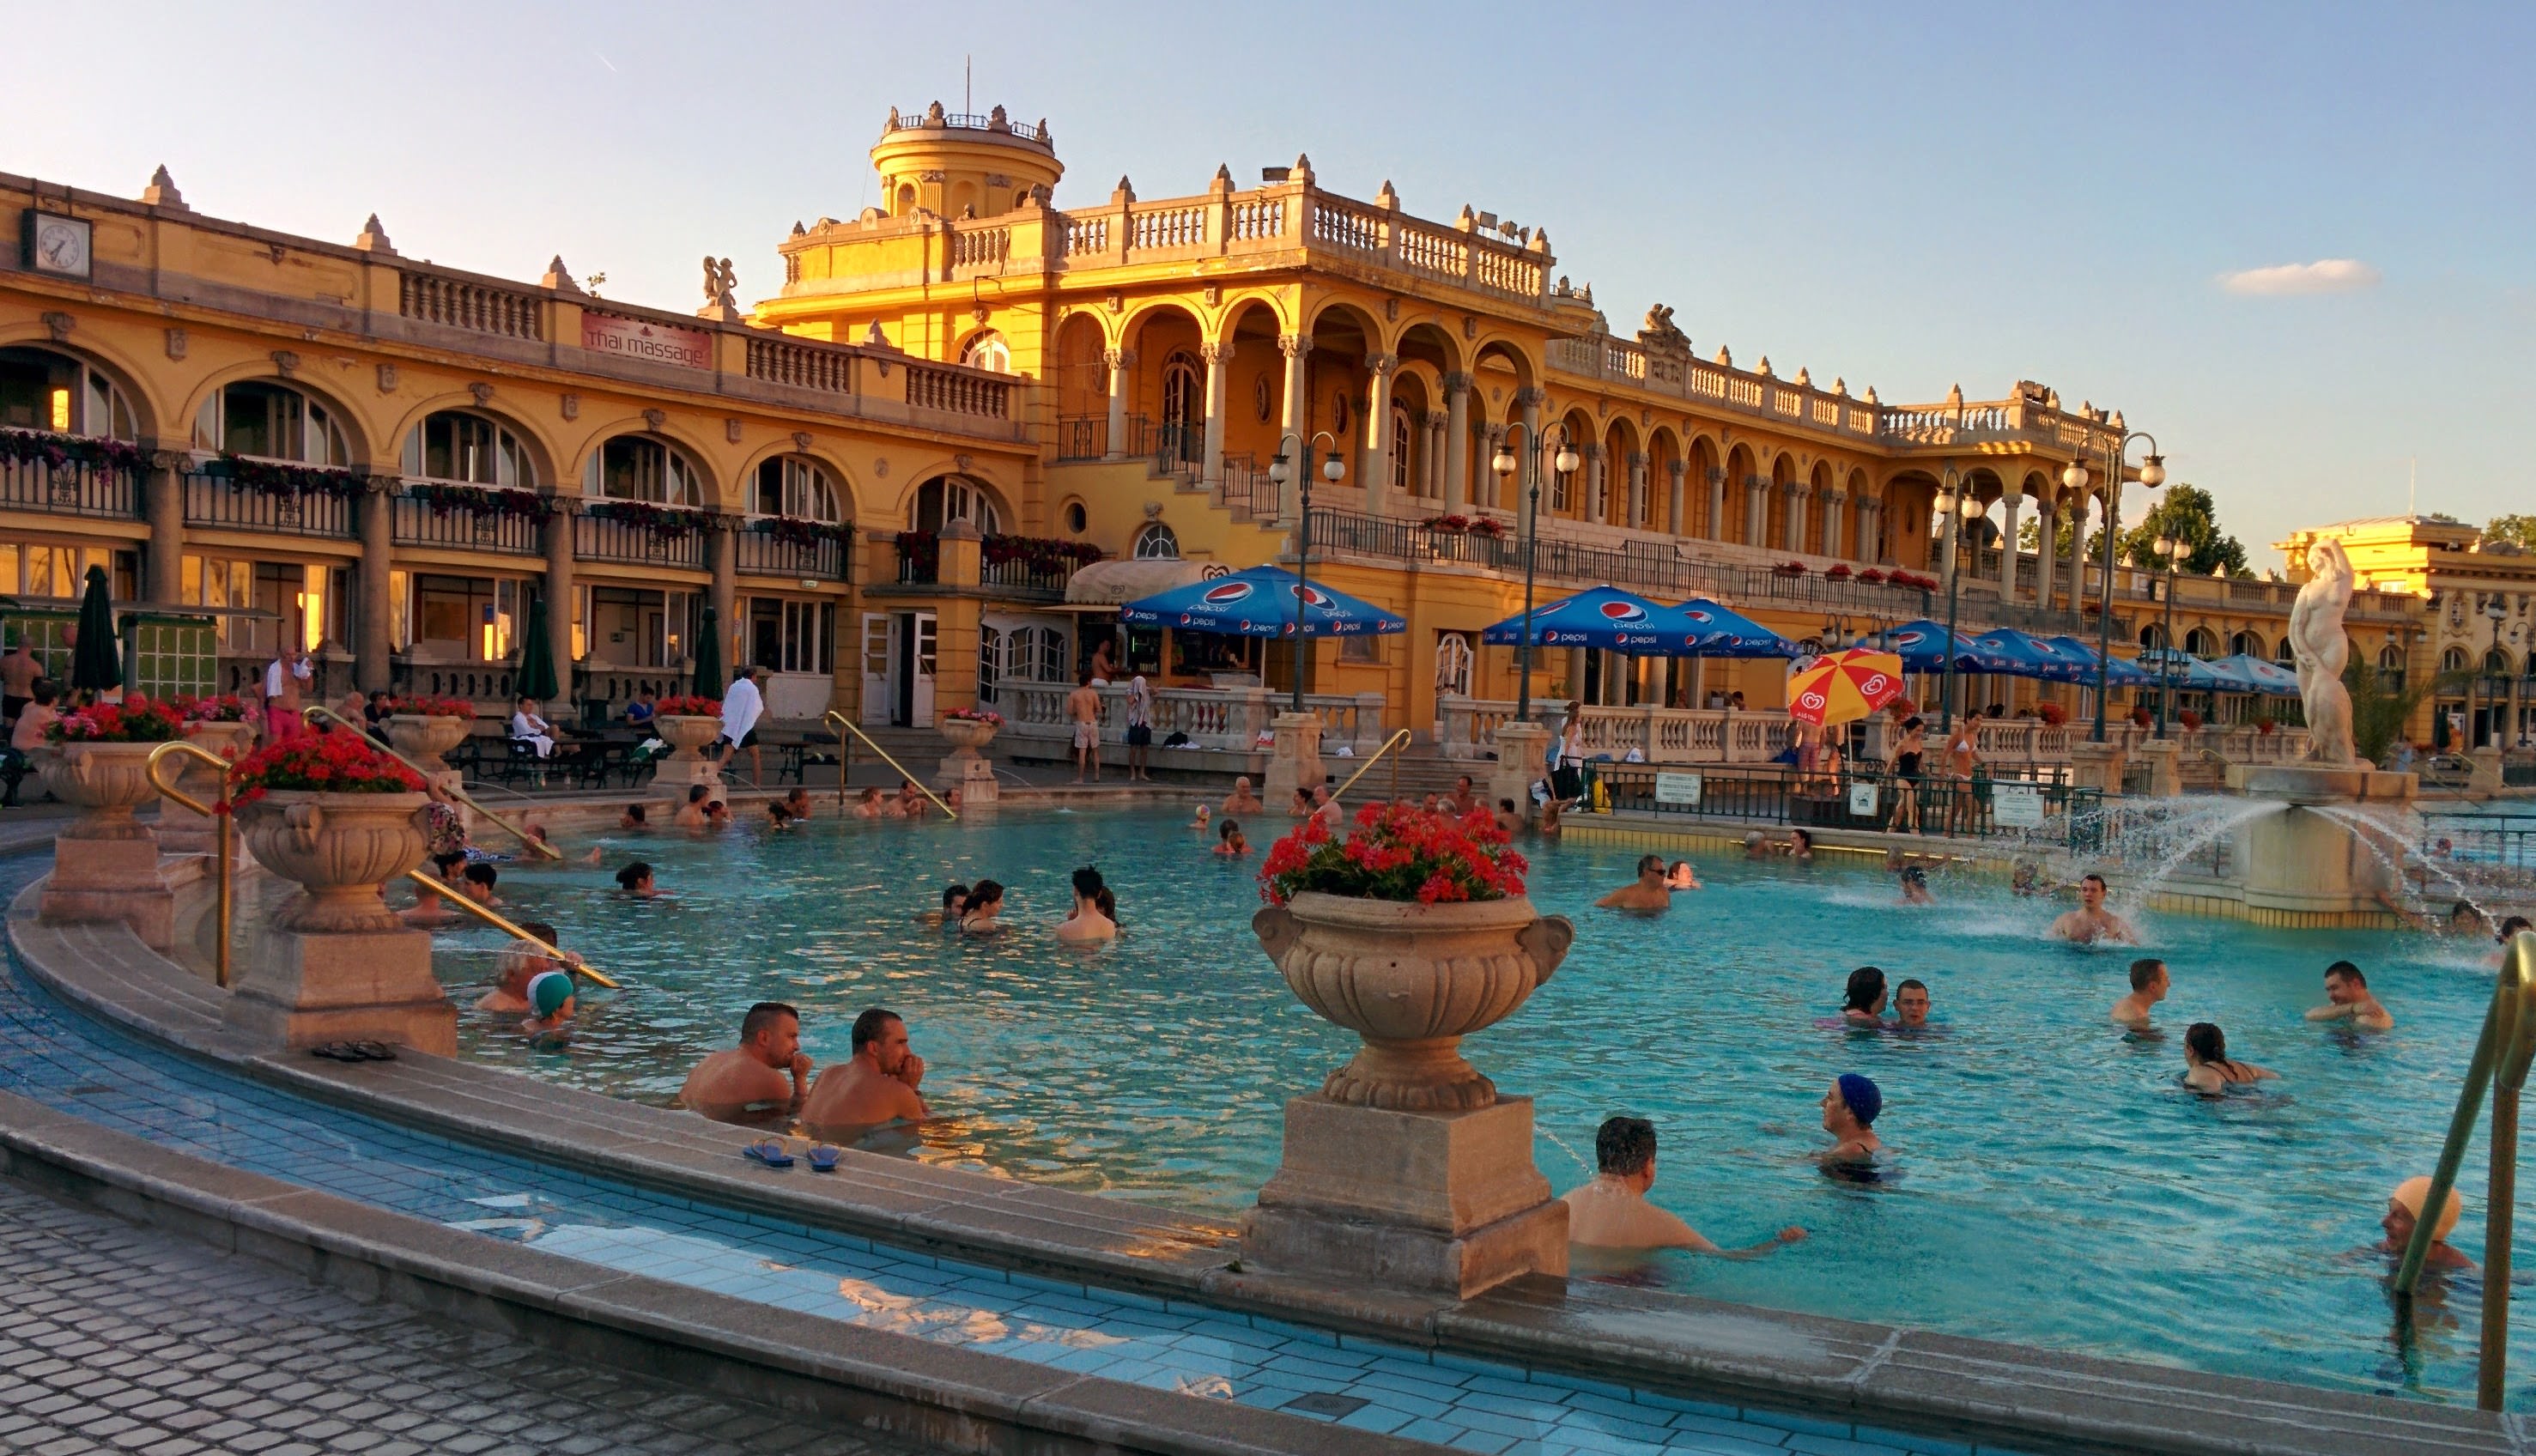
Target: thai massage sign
[637,339]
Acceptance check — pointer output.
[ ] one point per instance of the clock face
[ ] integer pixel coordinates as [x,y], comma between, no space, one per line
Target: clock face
[58,245]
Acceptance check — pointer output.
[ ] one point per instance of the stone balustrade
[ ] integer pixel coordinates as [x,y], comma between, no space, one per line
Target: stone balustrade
[1223,719]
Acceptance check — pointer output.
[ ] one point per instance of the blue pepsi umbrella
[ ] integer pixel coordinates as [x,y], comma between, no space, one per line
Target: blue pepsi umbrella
[1605,617]
[2165,666]
[1263,602]
[1714,631]
[2117,673]
[2261,676]
[1922,647]
[2035,657]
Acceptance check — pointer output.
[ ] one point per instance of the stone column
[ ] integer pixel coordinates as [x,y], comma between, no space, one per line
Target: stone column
[1637,505]
[560,594]
[722,549]
[1457,441]
[955,627]
[1291,420]
[2008,510]
[163,502]
[1433,467]
[1218,372]
[1757,510]
[1716,503]
[1871,531]
[1597,502]
[1675,470]
[371,667]
[1799,493]
[1834,505]
[2048,526]
[1491,485]
[1378,430]
[1527,470]
[1118,360]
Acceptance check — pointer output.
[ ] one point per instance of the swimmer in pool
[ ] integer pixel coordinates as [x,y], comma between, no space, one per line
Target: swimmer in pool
[1911,1006]
[636,881]
[1229,841]
[2091,921]
[1683,877]
[552,1004]
[1087,923]
[521,964]
[1241,801]
[877,1085]
[986,902]
[955,899]
[2512,927]
[1865,1005]
[1613,1212]
[2208,1070]
[2404,1209]
[2347,998]
[751,1077]
[1203,814]
[1914,886]
[2149,986]
[476,884]
[1647,895]
[1850,1110]
[870,805]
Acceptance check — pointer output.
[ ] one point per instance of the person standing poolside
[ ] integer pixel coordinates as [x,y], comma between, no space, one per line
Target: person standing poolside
[1611,1212]
[1083,711]
[2209,1069]
[1910,752]
[1229,841]
[1850,1110]
[2347,998]
[1962,754]
[2405,1211]
[33,719]
[2091,921]
[286,681]
[1911,1006]
[1649,894]
[986,902]
[752,1077]
[18,670]
[1242,800]
[878,1085]
[1140,728]
[1863,1001]
[2149,986]
[1466,799]
[1087,923]
[744,704]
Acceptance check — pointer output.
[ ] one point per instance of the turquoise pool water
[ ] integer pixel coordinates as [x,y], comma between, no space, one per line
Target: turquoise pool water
[2054,1185]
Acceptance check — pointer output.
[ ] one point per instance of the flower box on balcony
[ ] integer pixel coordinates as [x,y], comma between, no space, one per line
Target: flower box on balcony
[1838,571]
[660,522]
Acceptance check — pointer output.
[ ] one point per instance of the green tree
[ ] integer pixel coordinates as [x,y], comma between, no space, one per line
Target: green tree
[2380,711]
[2190,512]
[2519,530]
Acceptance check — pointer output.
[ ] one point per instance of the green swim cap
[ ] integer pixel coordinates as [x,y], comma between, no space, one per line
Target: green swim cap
[549,990]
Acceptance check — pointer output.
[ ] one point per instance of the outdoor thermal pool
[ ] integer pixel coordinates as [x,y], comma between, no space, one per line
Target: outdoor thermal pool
[2054,1185]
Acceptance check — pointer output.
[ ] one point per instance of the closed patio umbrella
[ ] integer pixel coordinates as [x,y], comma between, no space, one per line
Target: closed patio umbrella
[94,664]
[709,682]
[537,658]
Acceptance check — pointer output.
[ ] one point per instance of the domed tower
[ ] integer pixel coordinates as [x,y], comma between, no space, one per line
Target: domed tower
[951,165]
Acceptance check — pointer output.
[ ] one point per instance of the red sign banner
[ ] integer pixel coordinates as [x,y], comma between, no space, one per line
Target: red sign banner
[636,338]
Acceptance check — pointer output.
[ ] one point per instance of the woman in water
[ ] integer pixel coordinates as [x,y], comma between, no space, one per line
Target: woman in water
[986,899]
[1909,751]
[1866,1005]
[1682,876]
[1228,841]
[2207,1068]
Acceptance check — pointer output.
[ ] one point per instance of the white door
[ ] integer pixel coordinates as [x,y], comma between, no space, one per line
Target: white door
[880,655]
[919,712]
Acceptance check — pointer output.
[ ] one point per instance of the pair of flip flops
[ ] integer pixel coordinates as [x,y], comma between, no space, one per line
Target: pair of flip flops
[355,1051]
[770,1153]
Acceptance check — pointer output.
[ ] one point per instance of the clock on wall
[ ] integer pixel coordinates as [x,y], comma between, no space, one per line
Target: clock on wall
[55,244]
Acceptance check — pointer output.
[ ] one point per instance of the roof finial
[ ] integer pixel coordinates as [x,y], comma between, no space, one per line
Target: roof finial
[374,238]
[161,191]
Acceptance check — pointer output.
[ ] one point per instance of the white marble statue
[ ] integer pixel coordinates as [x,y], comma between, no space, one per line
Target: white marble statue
[2317,643]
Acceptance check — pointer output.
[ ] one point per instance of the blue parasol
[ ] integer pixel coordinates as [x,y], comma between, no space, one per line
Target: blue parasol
[1605,617]
[2259,675]
[1263,602]
[1714,631]
[1922,647]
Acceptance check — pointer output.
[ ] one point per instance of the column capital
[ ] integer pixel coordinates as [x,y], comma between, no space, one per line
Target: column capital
[1216,353]
[1383,364]
[1591,448]
[382,484]
[1493,432]
[1637,460]
[1119,359]
[1677,468]
[1457,382]
[1295,346]
[1531,396]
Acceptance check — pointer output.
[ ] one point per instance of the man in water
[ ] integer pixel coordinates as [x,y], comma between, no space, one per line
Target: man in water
[521,963]
[1327,808]
[1087,923]
[955,900]
[1911,1006]
[691,814]
[2149,986]
[878,1085]
[751,1077]
[1242,800]
[1465,800]
[2091,921]
[2347,998]
[1649,894]
[1612,1213]
[2405,1211]
[1508,821]
[1083,711]
[477,885]
[1849,1111]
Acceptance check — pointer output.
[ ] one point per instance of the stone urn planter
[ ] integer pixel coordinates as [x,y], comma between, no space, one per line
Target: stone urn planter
[341,849]
[104,781]
[423,737]
[182,831]
[1413,980]
[966,735]
[686,735]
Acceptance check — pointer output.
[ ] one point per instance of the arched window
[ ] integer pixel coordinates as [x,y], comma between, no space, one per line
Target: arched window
[2496,662]
[1184,408]
[1401,439]
[2152,637]
[906,199]
[987,350]
[789,485]
[2201,642]
[636,467]
[270,422]
[451,445]
[951,498]
[2247,644]
[2390,658]
[1157,542]
[990,662]
[41,390]
[2452,661]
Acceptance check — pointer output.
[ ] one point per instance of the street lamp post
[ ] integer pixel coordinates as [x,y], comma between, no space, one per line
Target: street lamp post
[1279,472]
[1954,504]
[2169,547]
[1566,460]
[2152,474]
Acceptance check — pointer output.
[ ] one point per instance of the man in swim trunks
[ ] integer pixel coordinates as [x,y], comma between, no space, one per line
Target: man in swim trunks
[2149,984]
[1612,1213]
[1649,894]
[1911,1006]
[751,1077]
[1083,710]
[878,1085]
[1850,1110]
[2347,998]
[1242,800]
[2091,921]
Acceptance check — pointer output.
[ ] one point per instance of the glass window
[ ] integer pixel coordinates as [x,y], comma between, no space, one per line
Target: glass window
[1401,437]
[987,350]
[789,485]
[991,660]
[41,390]
[950,498]
[469,449]
[1157,542]
[633,468]
[270,422]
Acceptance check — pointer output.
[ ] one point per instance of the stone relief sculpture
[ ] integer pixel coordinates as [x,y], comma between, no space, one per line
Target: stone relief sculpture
[1660,331]
[721,284]
[2319,645]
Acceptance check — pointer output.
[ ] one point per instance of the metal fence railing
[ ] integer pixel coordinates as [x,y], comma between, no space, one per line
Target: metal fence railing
[2043,809]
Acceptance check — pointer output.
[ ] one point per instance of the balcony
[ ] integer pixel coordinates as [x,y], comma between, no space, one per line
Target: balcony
[69,475]
[1023,566]
[801,549]
[638,533]
[229,494]
[471,518]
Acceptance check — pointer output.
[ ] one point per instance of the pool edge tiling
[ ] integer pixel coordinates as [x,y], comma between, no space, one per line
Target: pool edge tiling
[1535,1368]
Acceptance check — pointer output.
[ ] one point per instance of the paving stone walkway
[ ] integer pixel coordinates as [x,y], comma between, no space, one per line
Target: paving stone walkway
[120,1339]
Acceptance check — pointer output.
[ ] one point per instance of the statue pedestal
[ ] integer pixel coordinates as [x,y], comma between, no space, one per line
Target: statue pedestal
[306,989]
[2483,777]
[1520,751]
[1294,761]
[973,777]
[2302,861]
[1448,1202]
[2097,766]
[2164,757]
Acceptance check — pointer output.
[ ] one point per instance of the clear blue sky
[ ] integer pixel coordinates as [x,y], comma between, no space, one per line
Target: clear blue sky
[1972,194]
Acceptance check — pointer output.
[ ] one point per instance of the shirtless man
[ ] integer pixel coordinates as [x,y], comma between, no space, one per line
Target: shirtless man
[1508,821]
[1849,1116]
[521,964]
[1327,808]
[1465,800]
[1649,894]
[18,670]
[1241,801]
[1612,1213]
[478,885]
[1911,1006]
[691,814]
[752,1077]
[2149,984]
[2347,998]
[1087,923]
[1083,710]
[2091,921]
[878,1085]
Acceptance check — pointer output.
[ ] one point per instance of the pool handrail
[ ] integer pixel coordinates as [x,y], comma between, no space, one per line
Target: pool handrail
[839,718]
[1399,739]
[2502,1058]
[315,711]
[224,845]
[555,953]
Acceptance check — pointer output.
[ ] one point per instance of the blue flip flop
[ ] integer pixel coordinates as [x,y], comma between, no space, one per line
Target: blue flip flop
[768,1152]
[823,1159]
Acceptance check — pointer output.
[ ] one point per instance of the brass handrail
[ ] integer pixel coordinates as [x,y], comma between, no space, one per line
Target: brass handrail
[315,711]
[503,923]
[2501,1056]
[1398,739]
[839,718]
[223,845]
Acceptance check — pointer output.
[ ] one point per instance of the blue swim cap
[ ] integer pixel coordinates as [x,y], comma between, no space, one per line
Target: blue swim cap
[1864,1100]
[549,990]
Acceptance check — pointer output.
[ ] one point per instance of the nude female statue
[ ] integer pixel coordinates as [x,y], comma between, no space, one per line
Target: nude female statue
[2317,644]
